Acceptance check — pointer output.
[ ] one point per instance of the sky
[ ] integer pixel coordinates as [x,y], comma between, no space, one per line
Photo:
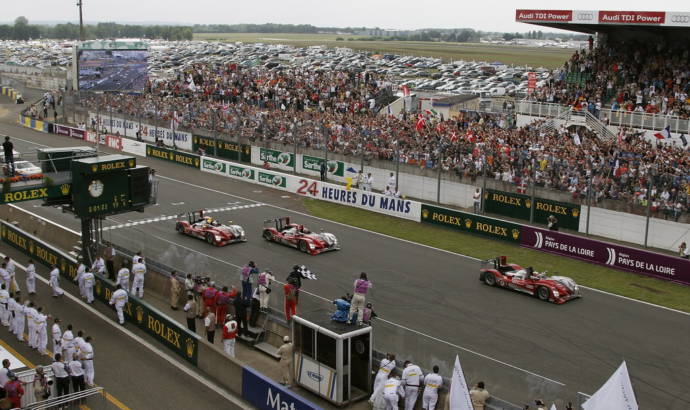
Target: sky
[494,15]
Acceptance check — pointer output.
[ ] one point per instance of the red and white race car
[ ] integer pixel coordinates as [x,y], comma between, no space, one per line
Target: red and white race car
[197,225]
[298,236]
[556,289]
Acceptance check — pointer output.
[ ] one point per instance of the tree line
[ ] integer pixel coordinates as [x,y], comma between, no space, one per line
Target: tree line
[22,30]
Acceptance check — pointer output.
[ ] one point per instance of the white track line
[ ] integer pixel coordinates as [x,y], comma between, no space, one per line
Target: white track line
[111,321]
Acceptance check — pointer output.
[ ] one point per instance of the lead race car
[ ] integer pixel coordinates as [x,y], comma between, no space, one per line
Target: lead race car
[204,227]
[281,230]
[556,289]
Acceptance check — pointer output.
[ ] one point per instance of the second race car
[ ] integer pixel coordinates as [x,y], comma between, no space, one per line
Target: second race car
[204,227]
[298,236]
[556,289]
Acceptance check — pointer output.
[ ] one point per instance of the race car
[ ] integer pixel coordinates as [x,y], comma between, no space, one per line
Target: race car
[556,289]
[204,227]
[298,236]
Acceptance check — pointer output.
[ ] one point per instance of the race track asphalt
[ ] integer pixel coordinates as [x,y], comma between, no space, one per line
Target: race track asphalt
[522,348]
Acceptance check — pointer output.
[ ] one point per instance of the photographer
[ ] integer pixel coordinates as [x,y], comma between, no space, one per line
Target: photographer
[41,385]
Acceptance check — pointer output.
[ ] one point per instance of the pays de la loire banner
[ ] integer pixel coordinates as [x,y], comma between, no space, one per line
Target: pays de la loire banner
[607,254]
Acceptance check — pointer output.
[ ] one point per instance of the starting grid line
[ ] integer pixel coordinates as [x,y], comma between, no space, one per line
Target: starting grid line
[170,217]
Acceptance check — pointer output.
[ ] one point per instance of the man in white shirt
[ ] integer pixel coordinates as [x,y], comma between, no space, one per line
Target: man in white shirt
[41,330]
[119,299]
[477,199]
[4,308]
[391,390]
[19,319]
[87,359]
[123,276]
[385,367]
[79,278]
[67,343]
[11,307]
[368,182]
[31,324]
[31,277]
[4,276]
[55,281]
[432,382]
[78,343]
[61,373]
[10,266]
[98,266]
[4,376]
[76,372]
[57,336]
[89,281]
[391,182]
[139,270]
[411,378]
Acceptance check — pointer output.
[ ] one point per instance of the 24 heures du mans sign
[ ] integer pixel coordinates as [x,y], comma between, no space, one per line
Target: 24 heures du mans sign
[168,333]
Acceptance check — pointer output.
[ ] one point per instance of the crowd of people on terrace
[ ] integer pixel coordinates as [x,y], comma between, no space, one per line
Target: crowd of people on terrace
[641,76]
[339,108]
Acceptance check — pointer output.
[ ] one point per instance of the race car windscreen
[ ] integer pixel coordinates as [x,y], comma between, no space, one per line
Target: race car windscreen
[113,70]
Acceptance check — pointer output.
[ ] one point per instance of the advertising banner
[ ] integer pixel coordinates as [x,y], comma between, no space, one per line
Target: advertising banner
[179,157]
[182,140]
[316,377]
[231,151]
[278,159]
[466,222]
[519,206]
[544,15]
[266,394]
[607,254]
[632,17]
[35,192]
[69,131]
[168,333]
[313,164]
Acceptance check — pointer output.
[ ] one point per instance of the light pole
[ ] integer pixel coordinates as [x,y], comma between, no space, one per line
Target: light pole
[81,21]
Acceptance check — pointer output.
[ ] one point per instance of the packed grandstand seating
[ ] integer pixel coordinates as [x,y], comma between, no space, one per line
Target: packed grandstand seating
[639,76]
[298,104]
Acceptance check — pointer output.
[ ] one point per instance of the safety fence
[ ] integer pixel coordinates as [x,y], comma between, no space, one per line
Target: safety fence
[37,397]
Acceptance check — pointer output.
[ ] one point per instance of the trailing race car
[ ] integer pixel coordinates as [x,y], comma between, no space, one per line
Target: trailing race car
[556,289]
[206,228]
[298,236]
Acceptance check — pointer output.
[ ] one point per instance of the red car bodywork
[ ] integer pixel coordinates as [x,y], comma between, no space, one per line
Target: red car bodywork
[280,230]
[216,234]
[556,289]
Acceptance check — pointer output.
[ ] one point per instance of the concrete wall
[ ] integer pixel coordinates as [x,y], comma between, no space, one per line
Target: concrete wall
[40,227]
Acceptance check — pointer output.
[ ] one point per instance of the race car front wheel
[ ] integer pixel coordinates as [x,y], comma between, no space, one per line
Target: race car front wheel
[543,293]
[303,246]
[489,279]
[209,238]
[268,236]
[180,228]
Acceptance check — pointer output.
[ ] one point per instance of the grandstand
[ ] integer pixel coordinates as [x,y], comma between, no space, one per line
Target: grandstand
[634,74]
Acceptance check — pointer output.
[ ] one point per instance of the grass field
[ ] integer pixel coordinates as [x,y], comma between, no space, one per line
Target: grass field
[626,284]
[518,55]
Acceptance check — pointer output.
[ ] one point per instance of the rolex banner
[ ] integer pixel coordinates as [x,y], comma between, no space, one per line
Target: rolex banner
[466,222]
[519,206]
[231,151]
[167,154]
[171,334]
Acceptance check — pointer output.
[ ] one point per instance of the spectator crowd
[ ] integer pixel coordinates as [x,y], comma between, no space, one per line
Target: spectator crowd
[337,110]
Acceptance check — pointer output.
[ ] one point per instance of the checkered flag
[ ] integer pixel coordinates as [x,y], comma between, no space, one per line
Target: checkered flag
[306,273]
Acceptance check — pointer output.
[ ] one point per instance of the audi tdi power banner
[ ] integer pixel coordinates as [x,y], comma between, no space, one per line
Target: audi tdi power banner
[611,255]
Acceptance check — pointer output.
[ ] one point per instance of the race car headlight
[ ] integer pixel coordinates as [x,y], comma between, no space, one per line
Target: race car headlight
[555,293]
[218,238]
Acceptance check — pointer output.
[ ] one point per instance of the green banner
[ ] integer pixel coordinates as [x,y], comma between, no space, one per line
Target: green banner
[35,192]
[519,206]
[466,222]
[271,179]
[171,334]
[167,154]
[310,163]
[242,172]
[222,149]
[286,159]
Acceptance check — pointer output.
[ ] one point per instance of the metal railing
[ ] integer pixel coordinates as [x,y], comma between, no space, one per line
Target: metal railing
[619,118]
[95,396]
